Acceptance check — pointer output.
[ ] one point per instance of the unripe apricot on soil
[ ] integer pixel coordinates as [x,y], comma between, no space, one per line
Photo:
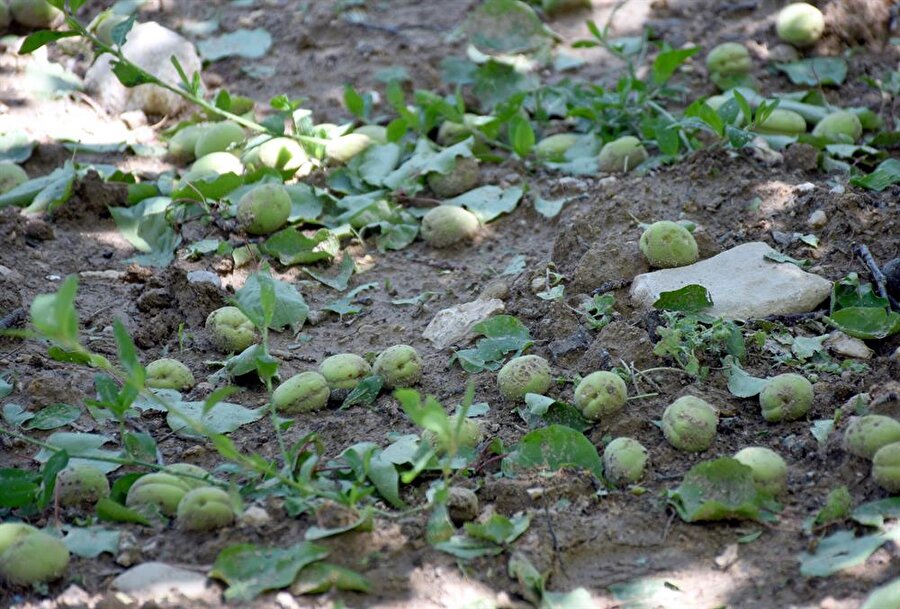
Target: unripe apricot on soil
[219,137]
[621,155]
[867,434]
[11,532]
[624,460]
[345,147]
[11,175]
[884,597]
[398,366]
[782,122]
[729,59]
[304,392]
[217,163]
[81,485]
[769,469]
[168,373]
[205,508]
[447,225]
[786,397]
[800,24]
[264,209]
[376,133]
[35,13]
[689,424]
[34,558]
[886,467]
[839,127]
[470,435]
[668,244]
[600,394]
[462,178]
[183,143]
[524,374]
[344,371]
[230,329]
[381,211]
[553,148]
[191,470]
[159,490]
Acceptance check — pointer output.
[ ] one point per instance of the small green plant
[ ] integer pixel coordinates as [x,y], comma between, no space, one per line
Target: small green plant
[691,340]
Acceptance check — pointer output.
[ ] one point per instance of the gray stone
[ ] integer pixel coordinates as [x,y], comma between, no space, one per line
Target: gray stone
[743,284]
[455,323]
[149,46]
[840,343]
[158,580]
[195,277]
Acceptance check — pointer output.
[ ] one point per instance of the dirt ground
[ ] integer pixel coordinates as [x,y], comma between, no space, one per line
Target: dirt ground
[579,537]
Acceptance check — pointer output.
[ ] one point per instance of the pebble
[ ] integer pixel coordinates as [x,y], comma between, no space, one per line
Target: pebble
[255,516]
[198,277]
[840,343]
[158,580]
[817,219]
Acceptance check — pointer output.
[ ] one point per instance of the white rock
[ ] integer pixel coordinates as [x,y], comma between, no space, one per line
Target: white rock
[158,580]
[150,46]
[743,284]
[195,277]
[840,343]
[255,516]
[455,323]
[817,219]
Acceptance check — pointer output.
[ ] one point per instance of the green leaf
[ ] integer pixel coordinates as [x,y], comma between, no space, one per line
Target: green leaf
[365,392]
[550,208]
[503,334]
[341,279]
[521,135]
[207,187]
[250,44]
[55,464]
[843,550]
[873,513]
[147,228]
[488,202]
[691,298]
[51,417]
[314,533]
[223,418]
[91,542]
[291,246]
[720,489]
[14,415]
[322,577]
[498,528]
[111,511]
[130,75]
[84,444]
[250,570]
[865,322]
[815,71]
[885,175]
[552,448]
[290,310]
[56,191]
[38,39]
[784,258]
[354,102]
[740,383]
[668,61]
[54,315]
[20,488]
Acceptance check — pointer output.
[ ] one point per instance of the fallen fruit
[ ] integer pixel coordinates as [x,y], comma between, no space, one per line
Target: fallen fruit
[886,467]
[667,244]
[281,153]
[167,373]
[524,374]
[219,137]
[216,163]
[884,597]
[624,460]
[81,485]
[398,366]
[34,558]
[553,148]
[867,434]
[35,13]
[689,424]
[446,225]
[345,147]
[800,24]
[600,394]
[769,469]
[344,371]
[622,155]
[11,532]
[462,178]
[729,59]
[304,392]
[230,329]
[183,143]
[264,209]
[160,491]
[11,175]
[840,127]
[376,133]
[205,509]
[195,473]
[470,436]
[782,122]
[786,397]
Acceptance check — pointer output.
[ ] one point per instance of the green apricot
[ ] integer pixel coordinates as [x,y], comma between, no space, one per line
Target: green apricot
[470,436]
[304,392]
[600,394]
[282,153]
[189,469]
[376,133]
[344,371]
[886,467]
[345,147]
[524,374]
[867,434]
[183,143]
[205,509]
[800,24]
[81,485]
[264,209]
[622,155]
[884,597]
[769,469]
[12,532]
[840,127]
[216,163]
[11,175]
[380,211]
[167,373]
[689,424]
[34,558]
[667,244]
[786,397]
[729,59]
[451,132]
[624,460]
[782,122]
[398,366]
[462,178]
[553,148]
[219,137]
[231,331]
[38,14]
[447,225]
[159,490]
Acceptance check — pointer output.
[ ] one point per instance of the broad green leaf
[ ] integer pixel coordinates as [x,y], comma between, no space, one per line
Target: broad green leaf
[111,511]
[54,315]
[843,550]
[865,322]
[53,416]
[85,445]
[341,279]
[689,299]
[291,246]
[91,542]
[488,202]
[740,383]
[815,71]
[250,570]
[15,415]
[147,228]
[503,334]
[364,393]
[223,418]
[38,39]
[668,61]
[885,175]
[552,448]
[290,310]
[20,488]
[55,464]
[130,75]
[55,192]
[720,489]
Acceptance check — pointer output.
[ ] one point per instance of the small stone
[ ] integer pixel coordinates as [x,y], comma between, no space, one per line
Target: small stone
[462,505]
[158,580]
[728,557]
[255,516]
[197,277]
[284,600]
[73,597]
[805,187]
[455,323]
[840,343]
[817,219]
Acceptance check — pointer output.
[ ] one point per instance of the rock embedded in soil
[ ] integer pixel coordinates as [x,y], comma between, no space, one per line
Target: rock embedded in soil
[841,344]
[160,581]
[455,323]
[742,282]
